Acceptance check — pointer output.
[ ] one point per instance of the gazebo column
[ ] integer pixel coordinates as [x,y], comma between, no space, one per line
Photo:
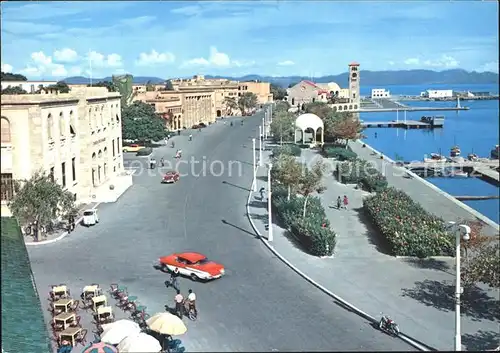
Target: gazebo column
[315,132]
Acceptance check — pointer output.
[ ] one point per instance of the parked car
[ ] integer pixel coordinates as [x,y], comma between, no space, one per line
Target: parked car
[170,177]
[90,217]
[132,148]
[193,265]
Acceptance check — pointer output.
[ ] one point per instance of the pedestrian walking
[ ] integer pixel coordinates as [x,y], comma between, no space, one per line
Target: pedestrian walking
[339,203]
[346,202]
[262,191]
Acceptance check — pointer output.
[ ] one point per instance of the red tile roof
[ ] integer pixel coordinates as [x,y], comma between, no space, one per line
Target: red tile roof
[354,64]
[322,91]
[310,83]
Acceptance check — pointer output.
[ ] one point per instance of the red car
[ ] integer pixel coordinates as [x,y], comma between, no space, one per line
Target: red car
[170,177]
[193,265]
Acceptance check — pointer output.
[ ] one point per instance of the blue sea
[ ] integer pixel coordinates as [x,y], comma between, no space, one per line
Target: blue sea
[475,131]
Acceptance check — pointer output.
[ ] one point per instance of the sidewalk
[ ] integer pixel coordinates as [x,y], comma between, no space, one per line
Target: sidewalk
[417,294]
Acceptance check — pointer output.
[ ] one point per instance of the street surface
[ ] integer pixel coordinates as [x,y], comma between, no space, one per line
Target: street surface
[260,305]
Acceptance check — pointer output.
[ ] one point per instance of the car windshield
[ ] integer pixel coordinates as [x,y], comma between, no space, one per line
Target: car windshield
[202,262]
[88,213]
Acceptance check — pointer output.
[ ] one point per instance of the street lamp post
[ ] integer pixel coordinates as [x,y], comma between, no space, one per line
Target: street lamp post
[254,168]
[461,231]
[269,205]
[260,146]
[263,128]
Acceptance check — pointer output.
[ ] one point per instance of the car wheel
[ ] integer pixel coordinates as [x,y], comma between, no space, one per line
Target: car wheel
[194,277]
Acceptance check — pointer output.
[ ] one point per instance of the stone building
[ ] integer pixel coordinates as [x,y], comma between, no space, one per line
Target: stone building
[261,89]
[75,137]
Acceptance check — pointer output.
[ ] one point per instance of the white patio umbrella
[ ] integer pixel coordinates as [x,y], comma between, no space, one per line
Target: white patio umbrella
[115,332]
[139,343]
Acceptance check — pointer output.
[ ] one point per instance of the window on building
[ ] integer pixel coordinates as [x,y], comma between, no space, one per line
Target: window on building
[7,187]
[62,125]
[5,130]
[73,168]
[32,89]
[63,173]
[113,144]
[118,145]
[50,123]
[51,174]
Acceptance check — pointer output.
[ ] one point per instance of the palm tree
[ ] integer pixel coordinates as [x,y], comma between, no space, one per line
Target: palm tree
[247,101]
[231,104]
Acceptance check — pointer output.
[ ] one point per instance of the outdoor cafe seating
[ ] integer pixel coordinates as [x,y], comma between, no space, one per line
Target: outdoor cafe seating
[98,301]
[104,315]
[59,292]
[74,335]
[91,291]
[63,320]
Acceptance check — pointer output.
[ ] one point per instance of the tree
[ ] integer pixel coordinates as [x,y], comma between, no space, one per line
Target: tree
[109,85]
[150,87]
[169,86]
[342,126]
[248,100]
[321,109]
[283,125]
[40,200]
[7,76]
[140,122]
[231,104]
[14,90]
[279,93]
[288,172]
[61,87]
[310,181]
[482,257]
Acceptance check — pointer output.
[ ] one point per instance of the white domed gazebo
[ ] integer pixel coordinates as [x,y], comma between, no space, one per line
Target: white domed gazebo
[309,121]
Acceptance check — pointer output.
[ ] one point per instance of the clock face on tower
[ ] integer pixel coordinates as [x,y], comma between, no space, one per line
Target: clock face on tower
[354,75]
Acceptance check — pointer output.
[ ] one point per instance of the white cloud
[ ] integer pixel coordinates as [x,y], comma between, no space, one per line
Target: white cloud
[154,58]
[286,63]
[42,65]
[187,10]
[102,60]
[445,61]
[217,59]
[490,66]
[65,55]
[7,68]
[391,63]
[138,21]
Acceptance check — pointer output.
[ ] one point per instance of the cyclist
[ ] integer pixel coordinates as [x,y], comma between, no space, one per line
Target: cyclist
[191,300]
[179,299]
[173,278]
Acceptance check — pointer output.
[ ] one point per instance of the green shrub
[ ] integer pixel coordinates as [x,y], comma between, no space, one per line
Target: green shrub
[291,150]
[146,151]
[317,240]
[362,173]
[406,226]
[342,154]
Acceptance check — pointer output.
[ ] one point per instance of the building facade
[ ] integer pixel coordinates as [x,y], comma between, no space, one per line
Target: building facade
[75,137]
[261,89]
[378,93]
[28,86]
[437,93]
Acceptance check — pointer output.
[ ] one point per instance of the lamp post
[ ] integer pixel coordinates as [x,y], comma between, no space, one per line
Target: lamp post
[260,146]
[254,184]
[269,205]
[461,231]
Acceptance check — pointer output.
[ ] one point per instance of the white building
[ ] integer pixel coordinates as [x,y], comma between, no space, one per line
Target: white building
[437,93]
[28,86]
[380,93]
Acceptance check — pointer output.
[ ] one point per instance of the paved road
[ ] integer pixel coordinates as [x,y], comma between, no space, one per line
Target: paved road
[260,305]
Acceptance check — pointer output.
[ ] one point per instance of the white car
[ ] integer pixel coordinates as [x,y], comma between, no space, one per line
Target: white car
[90,217]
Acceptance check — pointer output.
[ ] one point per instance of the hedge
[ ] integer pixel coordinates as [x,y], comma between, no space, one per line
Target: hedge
[407,227]
[146,151]
[291,150]
[309,231]
[342,154]
[362,173]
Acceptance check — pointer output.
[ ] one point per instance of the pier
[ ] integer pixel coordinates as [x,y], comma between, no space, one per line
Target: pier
[390,105]
[405,124]
[477,198]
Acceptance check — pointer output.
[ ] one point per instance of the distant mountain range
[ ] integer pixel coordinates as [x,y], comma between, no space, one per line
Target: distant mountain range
[369,78]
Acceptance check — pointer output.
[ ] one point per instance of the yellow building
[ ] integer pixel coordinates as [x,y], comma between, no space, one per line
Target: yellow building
[75,137]
[261,89]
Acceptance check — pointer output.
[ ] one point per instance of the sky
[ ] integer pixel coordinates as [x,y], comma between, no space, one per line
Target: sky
[54,40]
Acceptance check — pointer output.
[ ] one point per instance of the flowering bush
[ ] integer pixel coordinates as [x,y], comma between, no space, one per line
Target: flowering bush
[313,231]
[408,228]
[362,173]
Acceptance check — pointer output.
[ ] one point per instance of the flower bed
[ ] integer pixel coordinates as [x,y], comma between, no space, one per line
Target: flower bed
[406,226]
[362,173]
[339,153]
[313,231]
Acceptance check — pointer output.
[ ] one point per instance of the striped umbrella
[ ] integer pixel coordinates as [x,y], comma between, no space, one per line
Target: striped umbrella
[100,347]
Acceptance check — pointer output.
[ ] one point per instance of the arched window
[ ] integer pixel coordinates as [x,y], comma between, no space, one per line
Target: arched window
[50,125]
[99,154]
[5,129]
[62,125]
[350,106]
[93,157]
[105,151]
[72,130]
[345,107]
[102,115]
[340,107]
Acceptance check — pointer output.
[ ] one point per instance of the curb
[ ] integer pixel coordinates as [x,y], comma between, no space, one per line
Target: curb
[62,236]
[402,336]
[467,208]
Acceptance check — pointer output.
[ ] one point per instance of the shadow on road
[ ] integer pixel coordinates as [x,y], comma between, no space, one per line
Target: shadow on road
[372,233]
[258,203]
[236,186]
[239,228]
[262,178]
[481,341]
[476,303]
[430,264]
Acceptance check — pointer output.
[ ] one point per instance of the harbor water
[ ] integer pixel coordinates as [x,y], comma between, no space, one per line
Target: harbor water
[474,131]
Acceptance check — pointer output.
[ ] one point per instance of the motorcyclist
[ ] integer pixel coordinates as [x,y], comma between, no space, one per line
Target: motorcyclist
[191,301]
[179,299]
[231,123]
[190,137]
[173,278]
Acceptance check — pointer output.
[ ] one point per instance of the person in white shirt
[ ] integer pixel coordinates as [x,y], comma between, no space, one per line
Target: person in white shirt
[191,299]
[179,299]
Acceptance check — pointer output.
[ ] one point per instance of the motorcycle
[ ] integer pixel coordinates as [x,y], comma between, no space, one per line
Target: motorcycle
[386,324]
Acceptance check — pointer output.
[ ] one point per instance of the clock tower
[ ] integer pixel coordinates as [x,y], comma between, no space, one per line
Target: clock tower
[354,83]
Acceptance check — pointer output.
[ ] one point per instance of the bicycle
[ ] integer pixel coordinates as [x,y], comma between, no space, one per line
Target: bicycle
[190,311]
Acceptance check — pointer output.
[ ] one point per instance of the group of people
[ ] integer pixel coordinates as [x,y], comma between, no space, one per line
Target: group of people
[342,202]
[179,299]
